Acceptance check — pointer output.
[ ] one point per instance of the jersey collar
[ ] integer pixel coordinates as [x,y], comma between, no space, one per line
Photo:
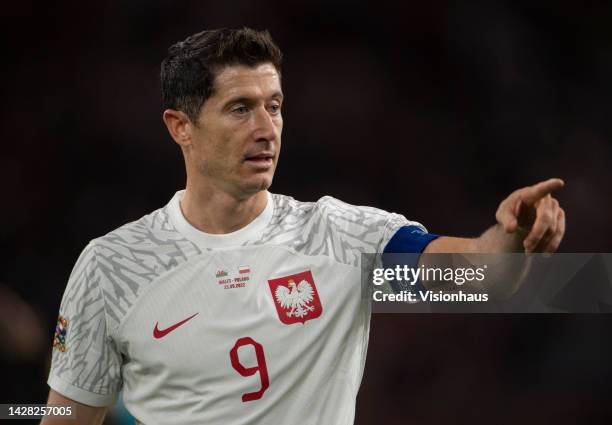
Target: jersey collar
[250,232]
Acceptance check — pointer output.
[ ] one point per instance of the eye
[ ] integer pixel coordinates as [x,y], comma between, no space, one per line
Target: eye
[275,108]
[240,110]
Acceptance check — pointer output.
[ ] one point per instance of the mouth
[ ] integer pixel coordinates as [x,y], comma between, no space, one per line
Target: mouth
[264,159]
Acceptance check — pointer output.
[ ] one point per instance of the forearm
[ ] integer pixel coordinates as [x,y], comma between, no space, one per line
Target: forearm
[505,271]
[495,240]
[509,267]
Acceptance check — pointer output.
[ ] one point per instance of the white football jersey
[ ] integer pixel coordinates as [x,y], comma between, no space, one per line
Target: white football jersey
[265,325]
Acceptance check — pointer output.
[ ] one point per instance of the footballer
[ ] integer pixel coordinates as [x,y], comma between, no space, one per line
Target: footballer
[232,304]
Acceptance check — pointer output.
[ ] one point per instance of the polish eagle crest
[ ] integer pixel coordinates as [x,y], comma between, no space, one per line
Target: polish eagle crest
[296,302]
[295,298]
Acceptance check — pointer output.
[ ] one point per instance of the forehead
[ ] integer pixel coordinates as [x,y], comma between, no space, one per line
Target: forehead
[261,80]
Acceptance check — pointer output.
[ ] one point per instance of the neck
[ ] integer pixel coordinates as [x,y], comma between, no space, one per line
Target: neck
[214,211]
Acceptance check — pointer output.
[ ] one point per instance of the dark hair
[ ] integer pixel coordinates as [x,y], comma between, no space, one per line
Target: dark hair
[189,70]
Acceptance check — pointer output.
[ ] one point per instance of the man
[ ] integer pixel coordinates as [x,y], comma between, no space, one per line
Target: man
[232,305]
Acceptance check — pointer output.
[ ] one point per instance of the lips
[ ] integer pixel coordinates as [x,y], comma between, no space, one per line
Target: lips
[260,161]
[263,156]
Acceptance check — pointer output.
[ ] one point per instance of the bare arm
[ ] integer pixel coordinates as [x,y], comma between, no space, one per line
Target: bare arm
[509,273]
[83,414]
[529,220]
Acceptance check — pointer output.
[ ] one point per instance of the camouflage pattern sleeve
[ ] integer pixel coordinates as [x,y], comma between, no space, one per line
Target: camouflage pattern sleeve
[366,229]
[86,364]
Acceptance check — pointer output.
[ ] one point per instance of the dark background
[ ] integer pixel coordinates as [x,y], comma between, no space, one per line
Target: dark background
[436,110]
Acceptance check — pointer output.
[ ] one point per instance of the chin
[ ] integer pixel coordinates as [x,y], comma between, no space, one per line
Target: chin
[257,185]
[265,184]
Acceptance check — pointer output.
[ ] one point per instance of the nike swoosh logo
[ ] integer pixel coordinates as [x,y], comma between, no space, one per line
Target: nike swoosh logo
[160,333]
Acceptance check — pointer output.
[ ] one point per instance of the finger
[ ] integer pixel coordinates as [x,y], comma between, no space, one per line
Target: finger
[554,243]
[532,193]
[552,230]
[507,213]
[543,222]
[517,206]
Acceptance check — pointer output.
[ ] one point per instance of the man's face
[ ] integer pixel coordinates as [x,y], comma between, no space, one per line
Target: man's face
[237,139]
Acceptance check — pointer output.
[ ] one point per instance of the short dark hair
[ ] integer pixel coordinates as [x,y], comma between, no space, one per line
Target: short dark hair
[189,70]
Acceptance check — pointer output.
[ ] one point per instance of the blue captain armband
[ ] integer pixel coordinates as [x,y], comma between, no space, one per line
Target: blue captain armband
[407,240]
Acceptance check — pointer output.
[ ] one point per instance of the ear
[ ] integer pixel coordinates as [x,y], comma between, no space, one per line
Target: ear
[179,126]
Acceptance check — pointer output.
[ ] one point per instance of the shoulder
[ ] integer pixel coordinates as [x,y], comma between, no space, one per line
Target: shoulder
[336,208]
[153,227]
[331,227]
[153,234]
[363,222]
[342,215]
[125,261]
[327,206]
[285,206]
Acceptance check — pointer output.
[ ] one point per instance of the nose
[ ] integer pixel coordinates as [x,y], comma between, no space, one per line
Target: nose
[265,126]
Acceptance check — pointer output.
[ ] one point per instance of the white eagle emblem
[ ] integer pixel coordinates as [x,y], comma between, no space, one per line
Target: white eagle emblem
[295,297]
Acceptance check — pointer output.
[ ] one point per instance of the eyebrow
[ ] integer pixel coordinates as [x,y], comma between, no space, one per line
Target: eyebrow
[249,100]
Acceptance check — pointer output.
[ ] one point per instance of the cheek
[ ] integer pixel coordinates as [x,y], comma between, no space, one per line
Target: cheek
[279,124]
[214,147]
[226,154]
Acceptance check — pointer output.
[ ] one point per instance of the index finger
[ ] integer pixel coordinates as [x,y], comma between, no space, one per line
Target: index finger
[540,190]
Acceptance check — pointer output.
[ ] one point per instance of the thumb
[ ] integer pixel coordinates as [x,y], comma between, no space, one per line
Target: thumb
[507,214]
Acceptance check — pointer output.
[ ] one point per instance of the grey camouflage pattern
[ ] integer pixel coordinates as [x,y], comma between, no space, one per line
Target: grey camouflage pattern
[331,228]
[103,286]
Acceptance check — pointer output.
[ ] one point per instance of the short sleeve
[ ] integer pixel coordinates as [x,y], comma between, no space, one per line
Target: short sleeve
[85,365]
[362,229]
